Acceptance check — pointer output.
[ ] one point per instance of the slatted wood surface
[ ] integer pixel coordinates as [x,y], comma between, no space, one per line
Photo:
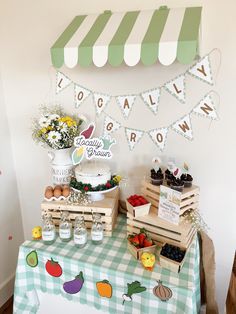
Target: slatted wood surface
[189,198]
[161,230]
[108,208]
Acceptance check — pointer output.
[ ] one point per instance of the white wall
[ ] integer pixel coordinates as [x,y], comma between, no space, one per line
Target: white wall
[28,31]
[10,221]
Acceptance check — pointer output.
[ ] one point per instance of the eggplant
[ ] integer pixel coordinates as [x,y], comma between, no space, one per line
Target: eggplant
[75,285]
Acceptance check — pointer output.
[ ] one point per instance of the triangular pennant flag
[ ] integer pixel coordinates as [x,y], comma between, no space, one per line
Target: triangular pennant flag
[176,87]
[110,125]
[62,81]
[126,104]
[81,94]
[101,100]
[133,137]
[183,126]
[159,137]
[206,108]
[151,99]
[202,70]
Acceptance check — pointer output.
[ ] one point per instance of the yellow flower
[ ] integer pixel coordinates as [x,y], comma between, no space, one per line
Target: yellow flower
[49,128]
[117,178]
[43,130]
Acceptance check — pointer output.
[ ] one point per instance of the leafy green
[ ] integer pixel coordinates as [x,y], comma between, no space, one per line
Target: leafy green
[135,287]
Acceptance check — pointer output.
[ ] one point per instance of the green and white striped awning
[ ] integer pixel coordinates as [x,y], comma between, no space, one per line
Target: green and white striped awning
[164,34]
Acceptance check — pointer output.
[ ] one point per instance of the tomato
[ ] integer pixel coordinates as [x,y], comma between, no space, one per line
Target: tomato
[53,268]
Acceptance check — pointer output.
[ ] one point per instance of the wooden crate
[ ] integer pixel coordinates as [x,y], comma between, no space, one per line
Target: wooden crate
[170,264]
[108,208]
[161,230]
[138,210]
[189,198]
[137,253]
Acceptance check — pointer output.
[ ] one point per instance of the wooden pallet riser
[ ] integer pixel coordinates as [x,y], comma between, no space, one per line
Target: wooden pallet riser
[108,208]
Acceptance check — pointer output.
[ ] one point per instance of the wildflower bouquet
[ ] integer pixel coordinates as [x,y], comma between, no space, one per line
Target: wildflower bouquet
[55,129]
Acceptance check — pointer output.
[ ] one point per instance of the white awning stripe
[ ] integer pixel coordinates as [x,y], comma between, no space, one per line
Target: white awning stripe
[71,48]
[169,39]
[100,48]
[132,50]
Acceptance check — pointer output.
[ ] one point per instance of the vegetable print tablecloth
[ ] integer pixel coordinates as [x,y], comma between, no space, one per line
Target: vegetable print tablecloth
[109,261]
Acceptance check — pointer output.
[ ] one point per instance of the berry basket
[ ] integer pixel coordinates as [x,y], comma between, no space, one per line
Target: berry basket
[138,210]
[172,257]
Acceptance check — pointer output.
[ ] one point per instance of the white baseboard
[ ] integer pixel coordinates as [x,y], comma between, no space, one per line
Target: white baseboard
[6,289]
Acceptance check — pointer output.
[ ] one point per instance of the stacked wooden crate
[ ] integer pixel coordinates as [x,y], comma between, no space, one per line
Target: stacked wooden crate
[159,229]
[108,208]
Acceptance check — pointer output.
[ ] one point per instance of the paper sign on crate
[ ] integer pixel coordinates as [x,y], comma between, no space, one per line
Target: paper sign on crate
[169,204]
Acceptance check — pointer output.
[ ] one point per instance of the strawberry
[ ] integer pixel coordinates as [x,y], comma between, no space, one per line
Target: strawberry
[141,237]
[135,240]
[147,242]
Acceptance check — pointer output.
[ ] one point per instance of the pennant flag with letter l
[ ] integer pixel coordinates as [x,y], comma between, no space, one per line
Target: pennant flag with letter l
[206,108]
[126,104]
[159,136]
[176,87]
[133,137]
[151,99]
[110,125]
[62,81]
[183,127]
[81,94]
[100,100]
[202,70]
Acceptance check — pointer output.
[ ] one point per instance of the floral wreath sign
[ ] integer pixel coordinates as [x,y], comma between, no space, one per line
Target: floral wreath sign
[92,147]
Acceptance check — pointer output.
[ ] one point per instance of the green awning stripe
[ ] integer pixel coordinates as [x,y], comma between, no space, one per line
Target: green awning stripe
[57,50]
[86,47]
[188,38]
[150,43]
[116,46]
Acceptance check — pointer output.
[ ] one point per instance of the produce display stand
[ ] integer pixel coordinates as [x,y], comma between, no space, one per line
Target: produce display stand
[108,208]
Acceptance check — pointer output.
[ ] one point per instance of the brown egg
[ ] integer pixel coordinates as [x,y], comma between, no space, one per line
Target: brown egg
[48,192]
[58,187]
[66,191]
[57,192]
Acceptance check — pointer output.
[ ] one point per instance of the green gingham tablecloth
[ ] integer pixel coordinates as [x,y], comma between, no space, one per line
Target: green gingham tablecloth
[111,261]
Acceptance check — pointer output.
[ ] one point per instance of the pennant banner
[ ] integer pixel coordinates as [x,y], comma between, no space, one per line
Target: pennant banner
[126,104]
[183,126]
[110,125]
[206,108]
[81,94]
[151,99]
[62,81]
[202,70]
[100,100]
[133,137]
[176,87]
[159,137]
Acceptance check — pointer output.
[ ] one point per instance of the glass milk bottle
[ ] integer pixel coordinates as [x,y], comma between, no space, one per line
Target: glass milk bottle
[48,230]
[80,232]
[65,227]
[97,229]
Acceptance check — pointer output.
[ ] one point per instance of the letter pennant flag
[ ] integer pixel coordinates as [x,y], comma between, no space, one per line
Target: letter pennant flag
[159,137]
[202,70]
[81,94]
[183,126]
[100,100]
[133,137]
[126,104]
[62,81]
[206,108]
[151,99]
[110,125]
[176,87]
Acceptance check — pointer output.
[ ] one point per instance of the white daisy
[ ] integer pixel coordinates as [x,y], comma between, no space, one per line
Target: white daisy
[53,116]
[54,137]
[62,127]
[44,122]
